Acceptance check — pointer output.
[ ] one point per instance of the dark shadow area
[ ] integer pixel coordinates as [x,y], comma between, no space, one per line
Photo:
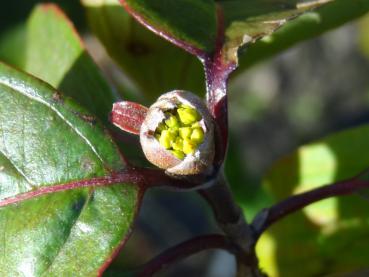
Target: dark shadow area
[246,189]
[166,219]
[13,44]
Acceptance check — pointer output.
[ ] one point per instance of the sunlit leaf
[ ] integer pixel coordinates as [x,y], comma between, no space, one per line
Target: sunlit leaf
[332,226]
[46,139]
[248,21]
[306,26]
[49,47]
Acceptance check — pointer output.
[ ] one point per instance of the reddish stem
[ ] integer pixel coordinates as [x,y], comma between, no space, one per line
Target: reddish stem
[184,250]
[143,177]
[294,203]
[217,72]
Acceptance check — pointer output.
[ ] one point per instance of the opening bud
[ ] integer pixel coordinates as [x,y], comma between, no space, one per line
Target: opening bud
[178,134]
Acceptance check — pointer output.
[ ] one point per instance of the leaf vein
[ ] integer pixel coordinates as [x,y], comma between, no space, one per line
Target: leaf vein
[32,94]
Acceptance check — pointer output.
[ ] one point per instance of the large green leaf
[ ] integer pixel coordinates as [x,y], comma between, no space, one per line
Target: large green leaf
[192,22]
[46,140]
[336,225]
[248,21]
[244,21]
[154,65]
[264,28]
[308,25]
[50,48]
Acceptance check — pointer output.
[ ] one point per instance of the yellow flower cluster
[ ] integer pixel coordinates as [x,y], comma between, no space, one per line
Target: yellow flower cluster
[180,132]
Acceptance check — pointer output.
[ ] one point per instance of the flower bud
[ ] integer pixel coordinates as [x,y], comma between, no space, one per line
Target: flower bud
[178,134]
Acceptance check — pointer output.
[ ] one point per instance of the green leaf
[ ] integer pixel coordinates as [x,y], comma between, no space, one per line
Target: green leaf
[265,27]
[248,21]
[154,65]
[12,45]
[308,25]
[364,36]
[47,140]
[316,228]
[56,54]
[191,22]
[337,157]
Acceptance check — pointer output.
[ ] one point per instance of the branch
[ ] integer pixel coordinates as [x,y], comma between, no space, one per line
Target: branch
[143,177]
[221,200]
[184,250]
[294,203]
[230,219]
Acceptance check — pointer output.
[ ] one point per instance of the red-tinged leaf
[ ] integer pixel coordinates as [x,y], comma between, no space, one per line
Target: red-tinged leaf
[128,116]
[189,24]
[47,144]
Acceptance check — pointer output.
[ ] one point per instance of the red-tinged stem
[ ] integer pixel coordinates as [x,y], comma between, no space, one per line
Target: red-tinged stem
[217,72]
[180,43]
[142,177]
[186,249]
[294,203]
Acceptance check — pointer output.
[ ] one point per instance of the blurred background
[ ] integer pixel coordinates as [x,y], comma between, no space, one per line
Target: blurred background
[316,88]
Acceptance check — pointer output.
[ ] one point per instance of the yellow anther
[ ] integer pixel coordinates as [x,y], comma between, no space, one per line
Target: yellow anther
[188,116]
[184,106]
[180,132]
[173,133]
[165,139]
[185,132]
[178,144]
[188,147]
[197,135]
[179,154]
[172,122]
[196,125]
